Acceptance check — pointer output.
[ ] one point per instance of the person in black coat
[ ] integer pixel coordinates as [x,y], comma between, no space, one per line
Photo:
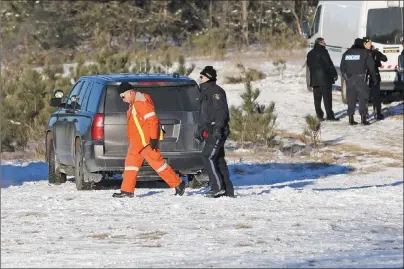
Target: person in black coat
[322,76]
[214,129]
[378,57]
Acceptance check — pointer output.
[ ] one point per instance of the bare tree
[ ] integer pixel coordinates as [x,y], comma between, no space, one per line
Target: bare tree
[245,20]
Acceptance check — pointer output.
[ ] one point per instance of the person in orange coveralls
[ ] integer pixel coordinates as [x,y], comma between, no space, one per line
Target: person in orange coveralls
[144,133]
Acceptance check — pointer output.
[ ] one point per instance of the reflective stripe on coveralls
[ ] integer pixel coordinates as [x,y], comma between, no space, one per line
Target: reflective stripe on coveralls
[148,115]
[131,168]
[164,166]
[139,128]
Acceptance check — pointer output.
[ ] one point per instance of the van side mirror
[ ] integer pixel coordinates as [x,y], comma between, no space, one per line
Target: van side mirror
[306,32]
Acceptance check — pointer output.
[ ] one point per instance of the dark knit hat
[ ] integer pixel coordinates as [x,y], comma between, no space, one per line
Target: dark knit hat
[123,87]
[209,72]
[358,43]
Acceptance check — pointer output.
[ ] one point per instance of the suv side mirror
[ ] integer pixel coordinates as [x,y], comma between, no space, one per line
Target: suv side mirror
[306,32]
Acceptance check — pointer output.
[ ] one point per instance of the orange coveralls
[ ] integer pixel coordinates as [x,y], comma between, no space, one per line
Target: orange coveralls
[143,125]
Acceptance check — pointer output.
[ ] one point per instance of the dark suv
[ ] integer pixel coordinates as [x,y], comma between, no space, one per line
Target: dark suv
[86,137]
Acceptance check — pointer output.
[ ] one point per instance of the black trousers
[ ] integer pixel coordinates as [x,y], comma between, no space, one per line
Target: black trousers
[325,93]
[357,89]
[215,164]
[376,100]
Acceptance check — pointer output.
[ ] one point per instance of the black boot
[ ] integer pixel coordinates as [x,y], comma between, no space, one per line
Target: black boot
[123,194]
[180,189]
[351,120]
[379,116]
[216,195]
[332,118]
[364,120]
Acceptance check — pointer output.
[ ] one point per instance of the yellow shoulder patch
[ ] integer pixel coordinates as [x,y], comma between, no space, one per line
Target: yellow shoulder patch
[216,96]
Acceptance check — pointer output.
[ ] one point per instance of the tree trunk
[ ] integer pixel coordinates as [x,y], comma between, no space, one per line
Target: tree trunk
[245,21]
[297,20]
[210,14]
[165,9]
[259,24]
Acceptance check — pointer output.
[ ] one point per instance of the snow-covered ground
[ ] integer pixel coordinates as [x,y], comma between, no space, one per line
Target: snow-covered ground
[339,207]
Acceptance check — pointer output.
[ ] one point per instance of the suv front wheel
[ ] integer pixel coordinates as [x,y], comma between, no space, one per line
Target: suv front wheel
[81,174]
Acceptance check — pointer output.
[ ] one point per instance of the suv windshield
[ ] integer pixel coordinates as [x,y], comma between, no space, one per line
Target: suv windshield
[165,98]
[385,25]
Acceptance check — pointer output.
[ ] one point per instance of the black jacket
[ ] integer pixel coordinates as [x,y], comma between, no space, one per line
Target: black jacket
[358,62]
[214,111]
[322,70]
[378,57]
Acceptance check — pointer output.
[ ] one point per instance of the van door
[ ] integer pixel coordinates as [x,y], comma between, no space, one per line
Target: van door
[316,26]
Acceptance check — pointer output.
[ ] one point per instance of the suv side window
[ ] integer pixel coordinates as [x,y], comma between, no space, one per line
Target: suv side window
[92,98]
[316,22]
[84,89]
[74,91]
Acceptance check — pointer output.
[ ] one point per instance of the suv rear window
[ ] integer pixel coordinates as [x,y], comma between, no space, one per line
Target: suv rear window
[165,98]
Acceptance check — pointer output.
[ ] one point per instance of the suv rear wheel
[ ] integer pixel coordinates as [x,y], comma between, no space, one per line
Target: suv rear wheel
[80,170]
[54,174]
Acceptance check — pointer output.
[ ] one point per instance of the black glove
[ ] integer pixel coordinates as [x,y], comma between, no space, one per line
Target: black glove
[154,143]
[199,135]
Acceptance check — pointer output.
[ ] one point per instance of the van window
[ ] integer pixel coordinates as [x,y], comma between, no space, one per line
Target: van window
[165,98]
[385,25]
[316,22]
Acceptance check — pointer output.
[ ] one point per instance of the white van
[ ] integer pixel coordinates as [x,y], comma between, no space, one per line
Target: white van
[340,22]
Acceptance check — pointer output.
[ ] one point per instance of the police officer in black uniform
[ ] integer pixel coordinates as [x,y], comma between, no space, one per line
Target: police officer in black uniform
[355,64]
[378,57]
[214,114]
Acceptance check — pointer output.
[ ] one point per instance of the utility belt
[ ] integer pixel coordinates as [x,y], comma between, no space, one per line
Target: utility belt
[210,127]
[362,76]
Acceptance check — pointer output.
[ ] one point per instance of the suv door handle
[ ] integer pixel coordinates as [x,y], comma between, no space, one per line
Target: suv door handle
[65,120]
[75,120]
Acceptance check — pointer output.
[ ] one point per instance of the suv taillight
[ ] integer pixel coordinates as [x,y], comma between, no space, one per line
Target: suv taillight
[97,132]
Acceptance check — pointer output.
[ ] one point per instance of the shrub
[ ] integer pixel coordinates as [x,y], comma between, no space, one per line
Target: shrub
[182,69]
[312,131]
[253,122]
[280,66]
[251,73]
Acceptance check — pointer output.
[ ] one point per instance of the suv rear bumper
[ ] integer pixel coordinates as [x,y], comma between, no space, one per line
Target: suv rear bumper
[181,162]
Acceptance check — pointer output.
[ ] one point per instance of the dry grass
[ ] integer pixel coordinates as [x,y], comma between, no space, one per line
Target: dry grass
[99,236]
[243,226]
[243,245]
[34,214]
[154,235]
[261,242]
[152,246]
[395,165]
[397,117]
